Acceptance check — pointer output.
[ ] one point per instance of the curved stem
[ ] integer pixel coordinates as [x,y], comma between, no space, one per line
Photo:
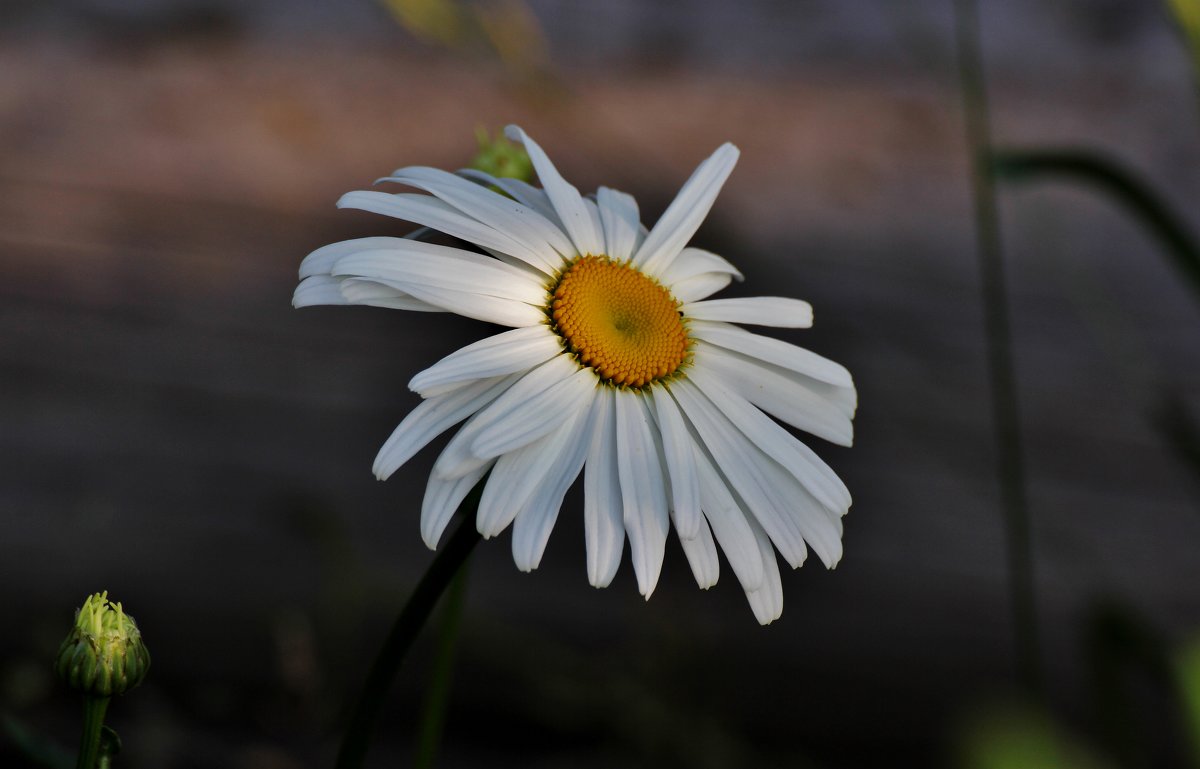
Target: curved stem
[1107,175]
[1005,410]
[93,721]
[412,618]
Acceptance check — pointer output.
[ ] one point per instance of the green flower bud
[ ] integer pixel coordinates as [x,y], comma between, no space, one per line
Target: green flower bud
[103,655]
[501,158]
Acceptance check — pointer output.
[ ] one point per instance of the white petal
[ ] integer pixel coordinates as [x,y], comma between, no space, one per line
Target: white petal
[701,554]
[490,309]
[526,421]
[730,523]
[443,217]
[794,488]
[514,480]
[433,417]
[523,224]
[321,261]
[442,499]
[566,199]
[594,212]
[535,521]
[739,461]
[700,286]
[603,519]
[760,310]
[457,458]
[777,443]
[318,289]
[680,464]
[620,222]
[795,399]
[686,212]
[442,268]
[524,193]
[696,261]
[516,350]
[643,494]
[771,350]
[368,292]
[767,601]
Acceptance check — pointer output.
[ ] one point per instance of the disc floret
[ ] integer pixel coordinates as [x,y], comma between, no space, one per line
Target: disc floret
[618,321]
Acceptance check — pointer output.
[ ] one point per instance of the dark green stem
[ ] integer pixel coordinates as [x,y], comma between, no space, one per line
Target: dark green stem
[1005,411]
[93,722]
[1122,184]
[437,696]
[412,618]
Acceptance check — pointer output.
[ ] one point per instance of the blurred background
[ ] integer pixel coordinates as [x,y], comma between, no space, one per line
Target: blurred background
[171,430]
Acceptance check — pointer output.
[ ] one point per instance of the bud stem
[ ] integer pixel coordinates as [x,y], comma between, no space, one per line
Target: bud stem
[94,709]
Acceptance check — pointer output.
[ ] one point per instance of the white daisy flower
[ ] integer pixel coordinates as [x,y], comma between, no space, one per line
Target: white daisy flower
[616,364]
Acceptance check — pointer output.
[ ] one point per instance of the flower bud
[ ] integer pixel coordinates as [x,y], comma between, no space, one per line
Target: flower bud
[501,158]
[103,654]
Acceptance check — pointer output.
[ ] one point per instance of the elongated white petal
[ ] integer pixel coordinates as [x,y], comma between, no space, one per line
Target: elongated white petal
[683,217]
[704,285]
[777,443]
[603,510]
[536,519]
[701,554]
[680,464]
[443,217]
[594,212]
[795,486]
[619,219]
[442,498]
[433,417]
[457,458]
[514,479]
[321,261]
[771,350]
[729,523]
[444,268]
[516,350]
[490,309]
[527,226]
[318,289]
[643,494]
[566,199]
[368,292]
[738,461]
[767,601]
[793,401]
[525,422]
[522,192]
[759,310]
[696,261]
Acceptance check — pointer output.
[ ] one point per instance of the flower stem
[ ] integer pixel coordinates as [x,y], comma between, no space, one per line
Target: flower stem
[93,722]
[433,714]
[410,621]
[1121,184]
[1005,411]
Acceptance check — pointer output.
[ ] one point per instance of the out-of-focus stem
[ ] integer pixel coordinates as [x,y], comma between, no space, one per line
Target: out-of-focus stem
[1005,410]
[410,621]
[437,696]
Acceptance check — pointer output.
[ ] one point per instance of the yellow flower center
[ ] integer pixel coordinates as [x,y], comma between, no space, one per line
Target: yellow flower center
[618,321]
